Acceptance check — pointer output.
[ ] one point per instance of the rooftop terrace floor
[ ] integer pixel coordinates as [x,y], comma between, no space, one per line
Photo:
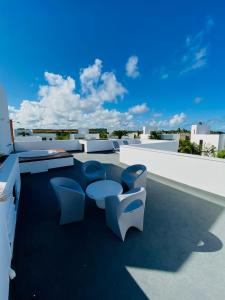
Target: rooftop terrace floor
[180,254]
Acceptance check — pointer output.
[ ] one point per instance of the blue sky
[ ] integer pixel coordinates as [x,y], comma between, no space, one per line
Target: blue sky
[165,61]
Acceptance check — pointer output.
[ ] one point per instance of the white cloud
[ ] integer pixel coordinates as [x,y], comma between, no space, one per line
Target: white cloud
[61,106]
[177,119]
[196,49]
[198,100]
[157,115]
[172,122]
[164,76]
[90,76]
[139,109]
[132,67]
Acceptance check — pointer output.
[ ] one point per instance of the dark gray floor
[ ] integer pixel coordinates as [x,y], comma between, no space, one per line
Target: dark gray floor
[180,254]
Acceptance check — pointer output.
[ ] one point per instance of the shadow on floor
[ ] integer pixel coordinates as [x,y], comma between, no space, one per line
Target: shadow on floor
[86,260]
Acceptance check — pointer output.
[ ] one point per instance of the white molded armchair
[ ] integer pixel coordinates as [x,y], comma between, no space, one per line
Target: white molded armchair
[93,170]
[71,199]
[125,211]
[134,176]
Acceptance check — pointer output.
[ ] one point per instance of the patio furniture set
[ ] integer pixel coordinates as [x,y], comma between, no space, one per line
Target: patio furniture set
[123,202]
[116,145]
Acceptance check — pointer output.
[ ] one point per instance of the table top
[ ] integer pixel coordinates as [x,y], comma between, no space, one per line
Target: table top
[98,190]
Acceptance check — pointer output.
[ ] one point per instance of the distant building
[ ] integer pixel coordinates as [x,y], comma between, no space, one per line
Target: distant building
[175,136]
[200,134]
[147,131]
[200,128]
[170,136]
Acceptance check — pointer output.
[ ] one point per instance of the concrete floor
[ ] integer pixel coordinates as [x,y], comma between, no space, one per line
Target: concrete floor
[180,254]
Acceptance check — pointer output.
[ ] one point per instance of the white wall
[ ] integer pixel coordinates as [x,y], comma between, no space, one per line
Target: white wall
[9,177]
[5,135]
[210,139]
[200,172]
[160,145]
[200,128]
[31,138]
[92,136]
[221,142]
[96,145]
[144,136]
[46,135]
[172,136]
[148,129]
[67,145]
[84,136]
[103,145]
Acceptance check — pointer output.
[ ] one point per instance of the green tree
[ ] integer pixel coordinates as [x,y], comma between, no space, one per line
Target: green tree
[155,135]
[221,154]
[185,146]
[103,135]
[62,136]
[120,133]
[209,150]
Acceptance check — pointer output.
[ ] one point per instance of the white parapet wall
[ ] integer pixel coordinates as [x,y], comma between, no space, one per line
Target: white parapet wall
[67,145]
[96,145]
[217,140]
[159,145]
[172,136]
[9,202]
[103,145]
[204,173]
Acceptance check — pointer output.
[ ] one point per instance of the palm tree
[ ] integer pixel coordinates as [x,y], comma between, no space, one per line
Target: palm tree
[154,135]
[120,133]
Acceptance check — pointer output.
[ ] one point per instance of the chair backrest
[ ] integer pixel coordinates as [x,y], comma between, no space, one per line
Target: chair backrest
[63,182]
[135,170]
[126,202]
[68,185]
[116,145]
[125,142]
[134,176]
[92,166]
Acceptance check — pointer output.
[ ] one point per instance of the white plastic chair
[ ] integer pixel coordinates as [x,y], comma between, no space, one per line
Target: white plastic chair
[71,199]
[93,170]
[125,211]
[134,176]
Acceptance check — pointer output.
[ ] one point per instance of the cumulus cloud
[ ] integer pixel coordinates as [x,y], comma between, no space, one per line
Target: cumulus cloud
[196,49]
[177,119]
[174,121]
[132,67]
[90,76]
[198,100]
[157,115]
[59,105]
[139,109]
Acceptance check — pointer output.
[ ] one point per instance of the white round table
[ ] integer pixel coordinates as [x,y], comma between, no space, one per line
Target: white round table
[100,189]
